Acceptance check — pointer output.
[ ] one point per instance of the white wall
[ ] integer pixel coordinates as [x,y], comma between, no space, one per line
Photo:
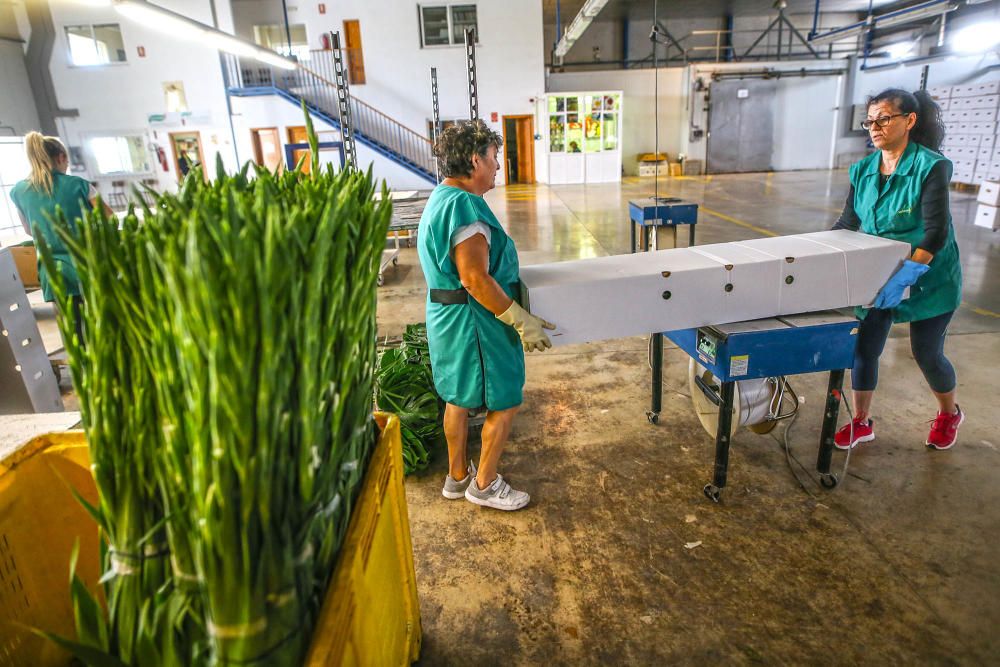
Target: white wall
[118,99]
[638,119]
[17,106]
[509,57]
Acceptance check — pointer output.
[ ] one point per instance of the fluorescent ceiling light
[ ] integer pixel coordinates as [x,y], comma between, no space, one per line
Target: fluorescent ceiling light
[177,25]
[979,37]
[930,9]
[900,49]
[580,23]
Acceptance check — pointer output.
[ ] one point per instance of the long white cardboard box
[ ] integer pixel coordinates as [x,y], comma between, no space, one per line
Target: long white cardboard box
[630,295]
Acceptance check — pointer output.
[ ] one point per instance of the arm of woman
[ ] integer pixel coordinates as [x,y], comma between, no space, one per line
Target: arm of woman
[93,198]
[472,259]
[848,217]
[934,206]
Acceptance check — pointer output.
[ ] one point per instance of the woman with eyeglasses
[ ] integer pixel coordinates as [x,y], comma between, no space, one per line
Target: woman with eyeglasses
[901,192]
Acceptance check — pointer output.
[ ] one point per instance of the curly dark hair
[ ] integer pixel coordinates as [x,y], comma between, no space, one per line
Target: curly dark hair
[456,144]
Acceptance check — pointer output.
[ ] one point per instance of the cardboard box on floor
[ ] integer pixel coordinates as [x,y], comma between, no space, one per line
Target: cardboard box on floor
[986,216]
[26,261]
[630,295]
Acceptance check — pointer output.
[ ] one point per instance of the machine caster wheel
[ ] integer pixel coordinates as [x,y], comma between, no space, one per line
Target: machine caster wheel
[653,417]
[712,492]
[828,480]
[395,261]
[380,281]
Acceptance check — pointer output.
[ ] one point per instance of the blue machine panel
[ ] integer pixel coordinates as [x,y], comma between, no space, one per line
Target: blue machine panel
[667,211]
[779,350]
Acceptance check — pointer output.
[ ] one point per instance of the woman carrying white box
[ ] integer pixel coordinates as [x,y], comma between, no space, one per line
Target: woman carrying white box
[901,192]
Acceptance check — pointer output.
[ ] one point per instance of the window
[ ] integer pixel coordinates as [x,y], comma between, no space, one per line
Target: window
[120,155]
[445,25]
[275,38]
[445,124]
[95,44]
[14,166]
[583,124]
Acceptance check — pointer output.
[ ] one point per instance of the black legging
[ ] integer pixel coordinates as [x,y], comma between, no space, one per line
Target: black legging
[926,343]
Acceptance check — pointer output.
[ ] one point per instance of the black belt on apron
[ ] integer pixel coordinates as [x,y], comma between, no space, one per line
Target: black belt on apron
[451,297]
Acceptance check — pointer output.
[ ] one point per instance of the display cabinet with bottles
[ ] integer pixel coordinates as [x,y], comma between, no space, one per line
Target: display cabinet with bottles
[584,131]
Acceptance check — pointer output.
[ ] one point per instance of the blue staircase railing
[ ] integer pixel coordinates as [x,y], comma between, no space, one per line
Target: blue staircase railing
[372,128]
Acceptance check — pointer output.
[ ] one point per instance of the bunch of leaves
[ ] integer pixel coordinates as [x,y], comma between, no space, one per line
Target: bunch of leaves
[245,314]
[404,385]
[118,403]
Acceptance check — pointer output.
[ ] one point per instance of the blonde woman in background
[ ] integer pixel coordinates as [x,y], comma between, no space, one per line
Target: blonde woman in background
[37,197]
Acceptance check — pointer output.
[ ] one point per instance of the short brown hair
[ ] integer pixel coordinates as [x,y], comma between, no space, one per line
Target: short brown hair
[456,145]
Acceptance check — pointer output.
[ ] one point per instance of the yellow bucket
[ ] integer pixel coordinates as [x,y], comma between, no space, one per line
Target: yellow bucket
[370,615]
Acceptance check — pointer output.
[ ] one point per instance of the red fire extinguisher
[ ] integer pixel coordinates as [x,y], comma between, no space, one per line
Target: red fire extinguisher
[161,155]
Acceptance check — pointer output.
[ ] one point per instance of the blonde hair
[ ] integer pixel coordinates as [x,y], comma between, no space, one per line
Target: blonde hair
[42,153]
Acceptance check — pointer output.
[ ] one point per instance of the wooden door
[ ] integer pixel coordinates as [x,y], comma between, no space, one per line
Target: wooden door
[267,148]
[519,148]
[187,152]
[355,58]
[297,134]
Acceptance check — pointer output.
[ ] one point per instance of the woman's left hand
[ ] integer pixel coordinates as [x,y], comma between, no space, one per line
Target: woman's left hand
[891,294]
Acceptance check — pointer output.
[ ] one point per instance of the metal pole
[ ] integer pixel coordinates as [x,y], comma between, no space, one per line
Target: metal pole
[343,102]
[288,30]
[435,107]
[558,25]
[470,57]
[812,33]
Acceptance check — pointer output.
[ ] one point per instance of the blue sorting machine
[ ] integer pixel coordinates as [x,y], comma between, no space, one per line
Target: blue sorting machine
[646,215]
[773,347]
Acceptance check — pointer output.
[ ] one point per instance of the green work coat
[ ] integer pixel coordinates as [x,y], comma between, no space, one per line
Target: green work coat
[893,211]
[70,194]
[477,360]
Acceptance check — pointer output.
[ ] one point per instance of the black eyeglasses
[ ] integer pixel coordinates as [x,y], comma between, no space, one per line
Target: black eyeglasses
[881,121]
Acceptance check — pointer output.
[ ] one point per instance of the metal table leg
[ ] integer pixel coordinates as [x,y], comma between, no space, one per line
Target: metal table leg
[833,392]
[714,490]
[691,235]
[656,341]
[631,229]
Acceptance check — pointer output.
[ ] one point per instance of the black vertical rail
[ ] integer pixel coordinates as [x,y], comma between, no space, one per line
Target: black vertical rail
[830,414]
[343,102]
[470,56]
[435,115]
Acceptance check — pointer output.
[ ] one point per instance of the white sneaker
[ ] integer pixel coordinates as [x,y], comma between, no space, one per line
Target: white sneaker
[455,488]
[499,495]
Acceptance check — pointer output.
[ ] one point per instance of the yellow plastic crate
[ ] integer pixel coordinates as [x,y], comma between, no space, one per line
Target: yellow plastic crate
[370,615]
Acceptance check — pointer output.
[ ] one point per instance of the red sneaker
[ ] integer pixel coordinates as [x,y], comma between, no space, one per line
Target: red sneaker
[944,429]
[863,432]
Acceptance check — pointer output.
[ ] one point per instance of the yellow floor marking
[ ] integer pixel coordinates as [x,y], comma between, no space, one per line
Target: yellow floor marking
[737,221]
[980,311]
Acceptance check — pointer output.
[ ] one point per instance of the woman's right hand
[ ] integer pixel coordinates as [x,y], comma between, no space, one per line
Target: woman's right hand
[529,327]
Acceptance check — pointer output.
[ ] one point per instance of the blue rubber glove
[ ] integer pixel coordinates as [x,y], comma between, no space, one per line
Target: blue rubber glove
[891,294]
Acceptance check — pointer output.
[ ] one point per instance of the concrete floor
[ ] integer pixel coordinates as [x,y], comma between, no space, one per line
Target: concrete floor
[897,565]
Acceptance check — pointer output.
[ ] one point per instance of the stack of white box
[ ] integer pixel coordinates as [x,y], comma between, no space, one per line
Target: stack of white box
[987,213]
[970,119]
[630,295]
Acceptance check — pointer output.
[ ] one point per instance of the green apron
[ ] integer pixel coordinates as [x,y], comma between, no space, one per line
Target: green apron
[894,212]
[69,193]
[477,360]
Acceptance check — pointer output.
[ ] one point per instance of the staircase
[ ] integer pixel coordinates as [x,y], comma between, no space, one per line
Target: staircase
[386,136]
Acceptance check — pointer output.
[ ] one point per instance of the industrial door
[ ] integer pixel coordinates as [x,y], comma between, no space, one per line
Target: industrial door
[267,147]
[740,126]
[519,149]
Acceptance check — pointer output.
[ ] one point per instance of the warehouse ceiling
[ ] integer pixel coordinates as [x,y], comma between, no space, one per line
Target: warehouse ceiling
[667,9]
